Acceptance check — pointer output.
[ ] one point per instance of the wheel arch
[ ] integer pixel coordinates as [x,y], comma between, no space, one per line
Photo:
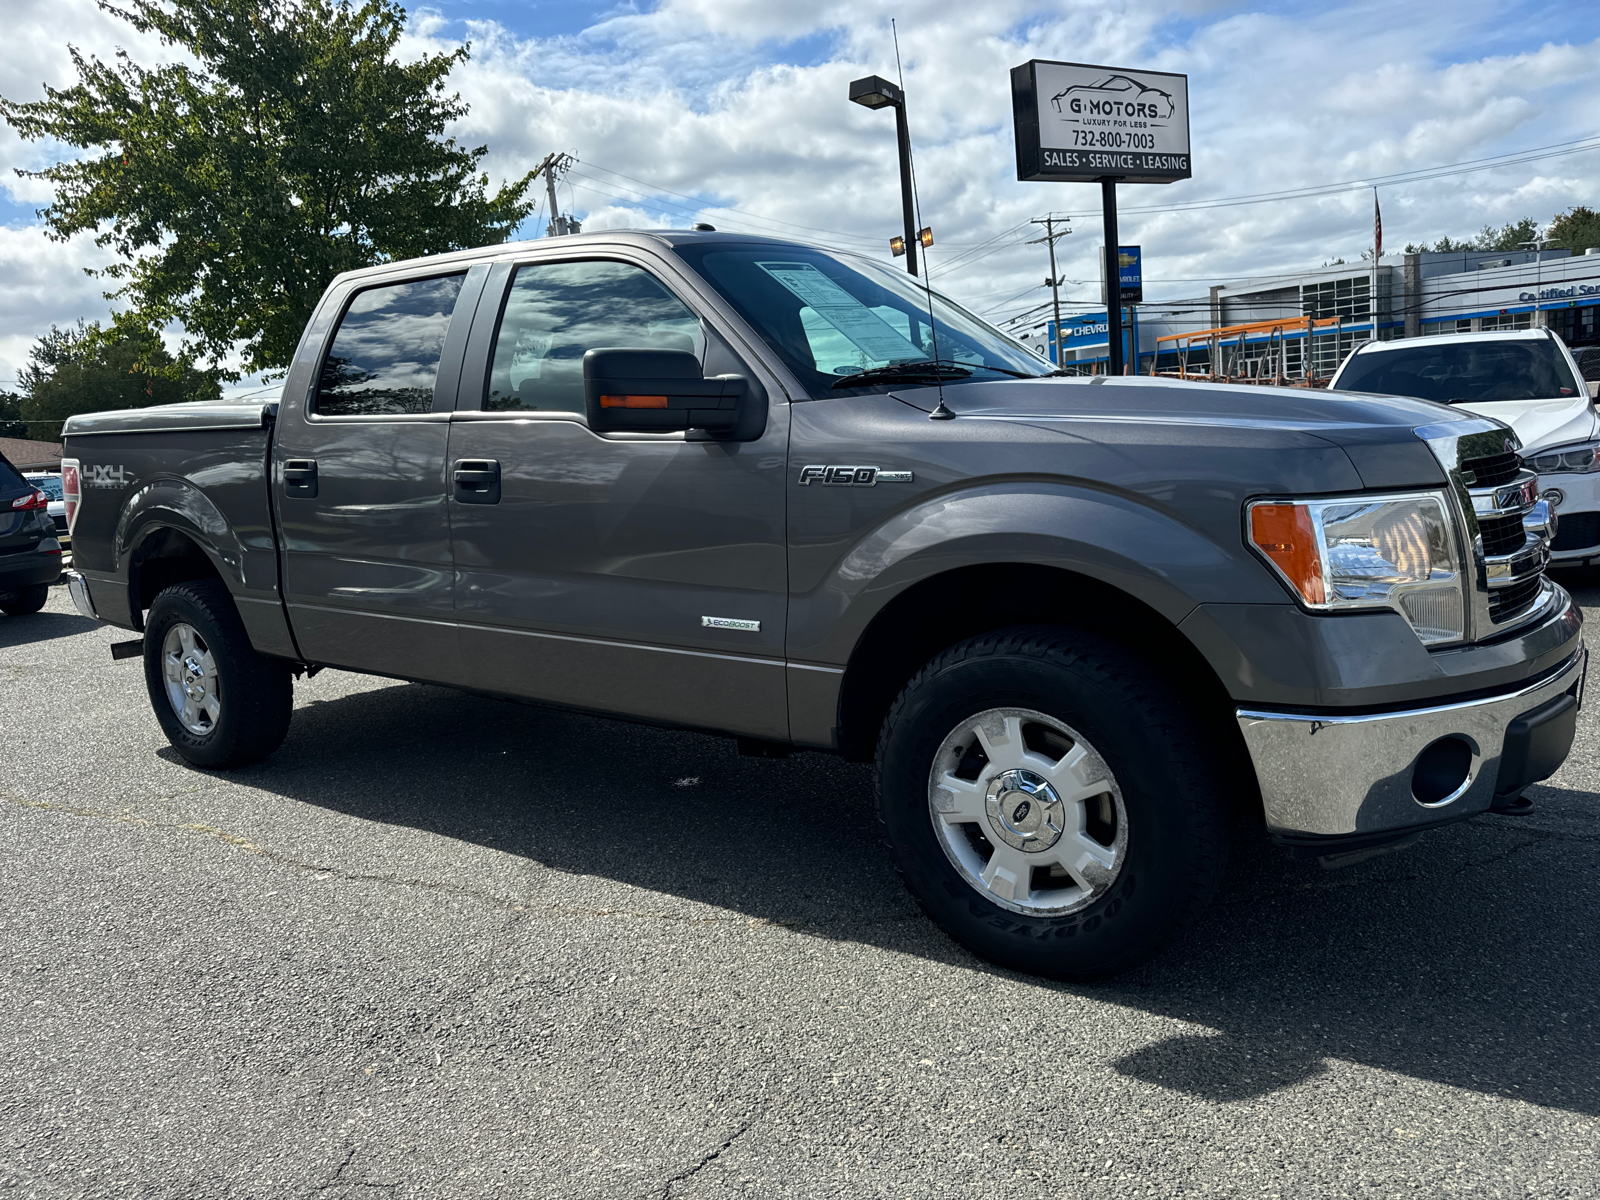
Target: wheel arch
[942,609]
[170,531]
[165,556]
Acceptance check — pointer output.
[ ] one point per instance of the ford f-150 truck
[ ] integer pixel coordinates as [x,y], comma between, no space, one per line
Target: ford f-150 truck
[744,486]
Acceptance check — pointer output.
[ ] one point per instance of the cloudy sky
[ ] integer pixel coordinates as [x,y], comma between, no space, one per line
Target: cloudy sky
[736,112]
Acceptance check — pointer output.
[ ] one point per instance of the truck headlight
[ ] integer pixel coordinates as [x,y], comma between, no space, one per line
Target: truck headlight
[1366,552]
[1582,459]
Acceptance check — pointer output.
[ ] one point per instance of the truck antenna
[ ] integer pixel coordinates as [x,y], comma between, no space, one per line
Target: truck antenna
[940,412]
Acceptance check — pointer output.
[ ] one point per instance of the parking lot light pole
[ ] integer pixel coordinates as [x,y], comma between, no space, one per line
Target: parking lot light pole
[876,92]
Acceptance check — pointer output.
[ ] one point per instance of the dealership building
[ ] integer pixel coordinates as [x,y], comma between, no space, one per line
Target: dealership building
[1301,325]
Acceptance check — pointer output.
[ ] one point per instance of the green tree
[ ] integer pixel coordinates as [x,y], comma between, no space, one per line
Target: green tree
[11,422]
[1510,236]
[1576,229]
[234,187]
[87,369]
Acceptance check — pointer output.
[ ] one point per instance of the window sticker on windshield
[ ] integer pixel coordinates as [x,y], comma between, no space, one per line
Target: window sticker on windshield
[878,339]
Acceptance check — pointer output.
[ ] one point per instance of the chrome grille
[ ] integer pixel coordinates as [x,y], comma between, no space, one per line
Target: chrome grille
[1491,470]
[1508,528]
[1508,602]
[1501,535]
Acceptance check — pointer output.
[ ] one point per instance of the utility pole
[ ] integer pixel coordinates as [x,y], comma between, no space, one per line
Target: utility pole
[1049,238]
[552,168]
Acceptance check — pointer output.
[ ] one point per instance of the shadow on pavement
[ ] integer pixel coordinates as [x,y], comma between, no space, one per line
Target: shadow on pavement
[1469,959]
[42,627]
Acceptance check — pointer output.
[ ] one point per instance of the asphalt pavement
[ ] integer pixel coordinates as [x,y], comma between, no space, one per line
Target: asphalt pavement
[442,946]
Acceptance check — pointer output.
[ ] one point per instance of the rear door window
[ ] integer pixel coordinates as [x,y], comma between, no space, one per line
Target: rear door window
[556,312]
[384,360]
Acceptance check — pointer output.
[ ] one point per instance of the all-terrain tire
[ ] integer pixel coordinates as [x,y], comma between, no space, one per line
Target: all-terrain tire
[1172,799]
[255,693]
[24,601]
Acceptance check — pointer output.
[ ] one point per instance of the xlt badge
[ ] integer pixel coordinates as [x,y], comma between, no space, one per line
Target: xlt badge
[851,476]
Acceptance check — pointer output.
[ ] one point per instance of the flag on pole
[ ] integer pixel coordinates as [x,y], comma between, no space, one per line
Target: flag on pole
[1377,228]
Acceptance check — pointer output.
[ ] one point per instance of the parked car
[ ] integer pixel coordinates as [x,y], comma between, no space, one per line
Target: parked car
[761,489]
[30,554]
[49,482]
[1527,378]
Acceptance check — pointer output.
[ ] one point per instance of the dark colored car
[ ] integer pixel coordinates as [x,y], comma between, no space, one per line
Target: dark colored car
[756,488]
[30,555]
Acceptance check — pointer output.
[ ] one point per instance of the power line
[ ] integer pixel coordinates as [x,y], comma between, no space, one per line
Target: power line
[1419,175]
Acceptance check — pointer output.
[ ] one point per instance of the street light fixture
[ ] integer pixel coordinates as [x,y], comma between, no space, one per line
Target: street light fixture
[876,92]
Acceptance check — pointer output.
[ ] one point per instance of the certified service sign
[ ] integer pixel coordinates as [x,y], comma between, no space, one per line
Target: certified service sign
[1077,123]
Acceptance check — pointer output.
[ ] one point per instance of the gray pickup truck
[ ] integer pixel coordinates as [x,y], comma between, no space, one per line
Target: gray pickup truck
[744,486]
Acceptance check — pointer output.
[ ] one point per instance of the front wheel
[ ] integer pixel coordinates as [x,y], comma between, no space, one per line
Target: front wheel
[25,600]
[1050,803]
[220,703]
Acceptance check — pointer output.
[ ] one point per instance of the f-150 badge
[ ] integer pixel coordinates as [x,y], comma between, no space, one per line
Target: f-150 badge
[851,476]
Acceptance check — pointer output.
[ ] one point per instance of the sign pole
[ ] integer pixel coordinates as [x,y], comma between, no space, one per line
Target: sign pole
[1108,197]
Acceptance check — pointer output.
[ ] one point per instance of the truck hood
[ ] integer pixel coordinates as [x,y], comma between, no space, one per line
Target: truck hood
[1540,424]
[1338,417]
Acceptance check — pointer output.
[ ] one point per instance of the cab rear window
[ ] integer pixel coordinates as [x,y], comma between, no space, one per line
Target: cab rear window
[1457,372]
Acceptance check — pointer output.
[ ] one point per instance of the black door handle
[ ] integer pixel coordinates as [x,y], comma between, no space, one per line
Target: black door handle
[299,477]
[477,481]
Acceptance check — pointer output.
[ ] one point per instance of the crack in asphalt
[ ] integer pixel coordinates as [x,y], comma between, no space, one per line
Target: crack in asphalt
[337,1179]
[492,899]
[709,1157]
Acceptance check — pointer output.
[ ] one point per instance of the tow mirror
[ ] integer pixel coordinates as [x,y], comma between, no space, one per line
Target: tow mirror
[658,390]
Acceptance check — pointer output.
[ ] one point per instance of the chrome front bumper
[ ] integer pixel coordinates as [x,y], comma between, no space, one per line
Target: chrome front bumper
[78,589]
[1341,776]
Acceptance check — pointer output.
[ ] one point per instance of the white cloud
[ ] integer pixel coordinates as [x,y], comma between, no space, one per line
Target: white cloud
[695,97]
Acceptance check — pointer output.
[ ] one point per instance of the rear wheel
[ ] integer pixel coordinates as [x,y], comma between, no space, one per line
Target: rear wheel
[220,703]
[25,600]
[1050,802]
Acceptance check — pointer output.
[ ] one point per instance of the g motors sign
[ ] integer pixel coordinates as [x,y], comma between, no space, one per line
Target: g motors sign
[1077,123]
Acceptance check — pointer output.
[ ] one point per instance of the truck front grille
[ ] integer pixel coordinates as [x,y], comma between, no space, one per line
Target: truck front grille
[1507,526]
[1501,535]
[1508,603]
[1491,470]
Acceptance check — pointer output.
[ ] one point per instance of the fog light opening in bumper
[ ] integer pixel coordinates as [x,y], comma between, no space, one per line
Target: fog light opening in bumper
[1444,771]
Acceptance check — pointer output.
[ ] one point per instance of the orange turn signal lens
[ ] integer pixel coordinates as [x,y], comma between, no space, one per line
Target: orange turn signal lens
[633,401]
[1284,533]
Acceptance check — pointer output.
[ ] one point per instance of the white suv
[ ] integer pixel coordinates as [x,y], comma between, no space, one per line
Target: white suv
[1526,378]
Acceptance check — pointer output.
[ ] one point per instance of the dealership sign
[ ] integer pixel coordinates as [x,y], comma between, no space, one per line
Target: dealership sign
[1077,123]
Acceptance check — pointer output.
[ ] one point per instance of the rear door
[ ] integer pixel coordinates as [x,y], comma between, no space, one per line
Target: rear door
[359,478]
[642,574]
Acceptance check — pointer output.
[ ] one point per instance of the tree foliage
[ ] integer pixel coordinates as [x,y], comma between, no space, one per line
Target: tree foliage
[1577,229]
[11,423]
[235,187]
[88,369]
[1511,236]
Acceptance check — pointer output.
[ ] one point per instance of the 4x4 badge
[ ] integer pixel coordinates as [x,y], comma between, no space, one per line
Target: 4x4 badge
[851,476]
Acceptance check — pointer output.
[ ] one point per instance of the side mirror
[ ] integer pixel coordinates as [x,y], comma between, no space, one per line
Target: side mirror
[658,390]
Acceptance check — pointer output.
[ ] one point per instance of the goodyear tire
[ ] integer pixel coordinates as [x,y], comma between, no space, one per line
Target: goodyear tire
[1050,803]
[220,703]
[25,600]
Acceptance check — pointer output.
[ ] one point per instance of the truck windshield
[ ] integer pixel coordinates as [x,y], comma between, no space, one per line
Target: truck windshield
[1453,372]
[830,319]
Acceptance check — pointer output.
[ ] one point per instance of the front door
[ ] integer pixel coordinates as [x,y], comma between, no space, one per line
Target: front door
[639,574]
[359,475]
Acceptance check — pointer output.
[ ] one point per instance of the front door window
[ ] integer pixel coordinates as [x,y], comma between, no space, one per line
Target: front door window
[557,311]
